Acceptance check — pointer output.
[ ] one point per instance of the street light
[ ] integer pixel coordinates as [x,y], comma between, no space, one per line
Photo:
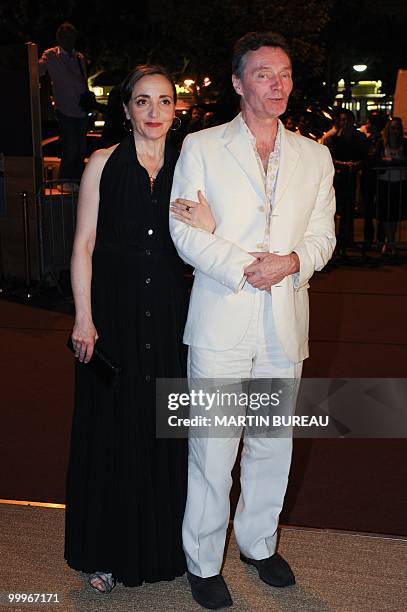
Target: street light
[359,67]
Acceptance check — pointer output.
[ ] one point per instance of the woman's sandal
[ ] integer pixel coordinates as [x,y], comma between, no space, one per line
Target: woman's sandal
[102,582]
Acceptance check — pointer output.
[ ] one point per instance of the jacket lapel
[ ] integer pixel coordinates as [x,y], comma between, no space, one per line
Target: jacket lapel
[239,146]
[289,155]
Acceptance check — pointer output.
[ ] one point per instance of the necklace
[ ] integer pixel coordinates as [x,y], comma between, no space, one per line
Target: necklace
[152,181]
[152,177]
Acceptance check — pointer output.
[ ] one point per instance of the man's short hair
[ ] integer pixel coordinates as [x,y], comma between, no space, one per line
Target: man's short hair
[251,42]
[66,29]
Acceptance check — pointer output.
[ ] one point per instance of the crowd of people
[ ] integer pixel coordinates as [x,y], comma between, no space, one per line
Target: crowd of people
[370,177]
[370,162]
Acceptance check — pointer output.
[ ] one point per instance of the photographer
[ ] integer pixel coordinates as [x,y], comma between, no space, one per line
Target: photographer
[67,70]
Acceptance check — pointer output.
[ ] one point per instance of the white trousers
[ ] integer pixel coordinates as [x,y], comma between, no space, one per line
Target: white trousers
[265,461]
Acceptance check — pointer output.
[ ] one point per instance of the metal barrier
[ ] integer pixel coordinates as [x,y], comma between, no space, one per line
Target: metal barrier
[372,208]
[385,200]
[56,204]
[391,193]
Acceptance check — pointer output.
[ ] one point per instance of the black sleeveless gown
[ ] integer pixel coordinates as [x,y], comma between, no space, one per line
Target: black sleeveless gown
[126,489]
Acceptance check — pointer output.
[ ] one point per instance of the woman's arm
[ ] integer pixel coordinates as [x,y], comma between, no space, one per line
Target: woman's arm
[84,334]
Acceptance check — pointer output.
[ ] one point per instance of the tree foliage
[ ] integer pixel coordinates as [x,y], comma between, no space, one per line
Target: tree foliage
[370,32]
[200,36]
[183,34]
[196,38]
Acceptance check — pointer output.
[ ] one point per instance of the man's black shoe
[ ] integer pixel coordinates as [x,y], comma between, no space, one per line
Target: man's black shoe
[274,570]
[211,593]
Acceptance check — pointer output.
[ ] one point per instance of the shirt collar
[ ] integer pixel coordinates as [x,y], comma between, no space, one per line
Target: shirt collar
[252,138]
[62,51]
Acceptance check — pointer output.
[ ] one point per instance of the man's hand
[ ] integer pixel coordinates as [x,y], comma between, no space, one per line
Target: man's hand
[270,269]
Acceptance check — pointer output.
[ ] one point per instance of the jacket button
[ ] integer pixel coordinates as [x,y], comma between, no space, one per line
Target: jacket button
[148,281]
[148,252]
[148,313]
[150,232]
[148,346]
[148,378]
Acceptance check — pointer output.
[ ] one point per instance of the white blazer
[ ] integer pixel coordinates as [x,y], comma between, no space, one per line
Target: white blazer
[221,162]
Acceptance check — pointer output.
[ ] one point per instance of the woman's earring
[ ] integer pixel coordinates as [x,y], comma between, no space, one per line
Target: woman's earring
[127,125]
[176,126]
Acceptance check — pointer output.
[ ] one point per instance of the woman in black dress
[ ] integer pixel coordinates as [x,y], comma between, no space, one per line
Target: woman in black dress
[391,182]
[126,488]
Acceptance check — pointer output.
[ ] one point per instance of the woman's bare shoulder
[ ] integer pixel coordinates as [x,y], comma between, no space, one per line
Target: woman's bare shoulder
[102,155]
[98,160]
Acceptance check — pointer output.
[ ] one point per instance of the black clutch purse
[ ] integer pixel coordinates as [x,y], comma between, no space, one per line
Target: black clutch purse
[101,363]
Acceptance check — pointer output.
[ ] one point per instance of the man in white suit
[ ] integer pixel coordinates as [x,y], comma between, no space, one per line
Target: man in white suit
[263,223]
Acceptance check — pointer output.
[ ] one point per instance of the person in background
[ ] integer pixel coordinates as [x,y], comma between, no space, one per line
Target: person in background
[368,180]
[290,123]
[209,120]
[195,119]
[330,132]
[392,183]
[67,69]
[189,123]
[126,488]
[114,129]
[304,127]
[349,149]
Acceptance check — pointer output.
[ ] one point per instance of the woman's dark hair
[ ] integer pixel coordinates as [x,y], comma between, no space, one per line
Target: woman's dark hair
[138,73]
[251,42]
[399,139]
[348,114]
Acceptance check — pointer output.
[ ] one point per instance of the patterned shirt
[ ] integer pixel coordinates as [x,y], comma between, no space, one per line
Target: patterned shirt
[269,180]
